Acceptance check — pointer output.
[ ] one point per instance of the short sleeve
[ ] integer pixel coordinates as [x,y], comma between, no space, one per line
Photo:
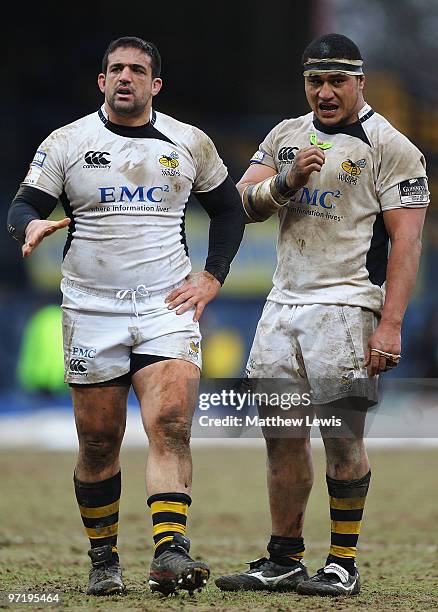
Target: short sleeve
[402,179]
[46,171]
[210,169]
[266,152]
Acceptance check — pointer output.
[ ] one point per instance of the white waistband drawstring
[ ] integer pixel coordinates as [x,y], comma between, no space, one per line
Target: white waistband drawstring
[140,290]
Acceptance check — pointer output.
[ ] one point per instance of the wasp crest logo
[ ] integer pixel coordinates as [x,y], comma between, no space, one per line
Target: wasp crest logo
[194,346]
[170,161]
[353,168]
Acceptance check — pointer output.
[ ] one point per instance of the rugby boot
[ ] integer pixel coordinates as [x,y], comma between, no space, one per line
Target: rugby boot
[265,575]
[105,576]
[332,580]
[175,570]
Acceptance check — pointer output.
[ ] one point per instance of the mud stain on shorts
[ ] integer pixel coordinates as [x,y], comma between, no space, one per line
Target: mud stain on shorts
[68,329]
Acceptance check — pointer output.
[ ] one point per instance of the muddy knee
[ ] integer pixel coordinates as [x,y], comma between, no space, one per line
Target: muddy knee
[98,450]
[346,458]
[170,431]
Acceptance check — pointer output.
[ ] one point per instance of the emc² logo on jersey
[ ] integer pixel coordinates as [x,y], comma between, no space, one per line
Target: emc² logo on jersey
[97,159]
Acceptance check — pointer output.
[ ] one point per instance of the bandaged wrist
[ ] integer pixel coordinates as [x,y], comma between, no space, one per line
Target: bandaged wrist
[283,191]
[262,200]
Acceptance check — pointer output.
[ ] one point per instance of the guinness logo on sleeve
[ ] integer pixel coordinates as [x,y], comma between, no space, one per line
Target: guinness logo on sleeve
[414,191]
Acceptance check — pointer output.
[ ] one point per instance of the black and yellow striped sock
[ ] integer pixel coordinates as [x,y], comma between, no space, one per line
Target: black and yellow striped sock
[347,501]
[169,517]
[285,550]
[99,508]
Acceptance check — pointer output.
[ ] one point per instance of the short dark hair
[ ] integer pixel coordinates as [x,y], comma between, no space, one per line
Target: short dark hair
[138,43]
[332,45]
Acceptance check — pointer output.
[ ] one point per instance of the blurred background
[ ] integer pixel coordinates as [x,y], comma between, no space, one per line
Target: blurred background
[235,72]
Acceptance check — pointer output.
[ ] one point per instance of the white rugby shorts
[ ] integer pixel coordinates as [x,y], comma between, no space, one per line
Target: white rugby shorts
[320,348]
[102,328]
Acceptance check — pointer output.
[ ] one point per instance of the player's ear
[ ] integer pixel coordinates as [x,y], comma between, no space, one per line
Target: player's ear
[101,82]
[361,82]
[157,84]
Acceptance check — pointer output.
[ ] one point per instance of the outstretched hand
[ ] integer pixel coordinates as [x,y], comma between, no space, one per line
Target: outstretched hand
[38,229]
[199,289]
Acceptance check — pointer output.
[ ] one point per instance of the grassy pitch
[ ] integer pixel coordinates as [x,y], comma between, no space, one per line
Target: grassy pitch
[43,547]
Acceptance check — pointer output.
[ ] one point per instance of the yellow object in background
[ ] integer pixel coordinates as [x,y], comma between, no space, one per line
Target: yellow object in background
[41,362]
[222,354]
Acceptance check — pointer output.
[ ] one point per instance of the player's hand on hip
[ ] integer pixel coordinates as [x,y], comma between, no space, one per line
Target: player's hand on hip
[307,160]
[38,229]
[198,289]
[383,348]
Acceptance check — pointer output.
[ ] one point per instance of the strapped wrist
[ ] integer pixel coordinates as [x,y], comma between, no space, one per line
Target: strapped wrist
[282,189]
[262,200]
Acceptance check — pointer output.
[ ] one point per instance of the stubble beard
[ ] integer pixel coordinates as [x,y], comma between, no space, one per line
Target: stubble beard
[131,109]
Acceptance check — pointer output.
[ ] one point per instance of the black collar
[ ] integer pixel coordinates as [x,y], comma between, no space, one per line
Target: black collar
[353,129]
[146,130]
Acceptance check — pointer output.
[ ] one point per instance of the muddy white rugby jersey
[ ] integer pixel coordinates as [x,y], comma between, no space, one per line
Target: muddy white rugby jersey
[332,245]
[125,189]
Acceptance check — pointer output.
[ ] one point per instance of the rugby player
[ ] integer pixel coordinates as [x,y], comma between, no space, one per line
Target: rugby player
[344,182]
[131,304]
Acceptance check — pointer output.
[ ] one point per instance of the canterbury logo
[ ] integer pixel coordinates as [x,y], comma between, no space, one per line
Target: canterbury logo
[77,365]
[97,158]
[287,154]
